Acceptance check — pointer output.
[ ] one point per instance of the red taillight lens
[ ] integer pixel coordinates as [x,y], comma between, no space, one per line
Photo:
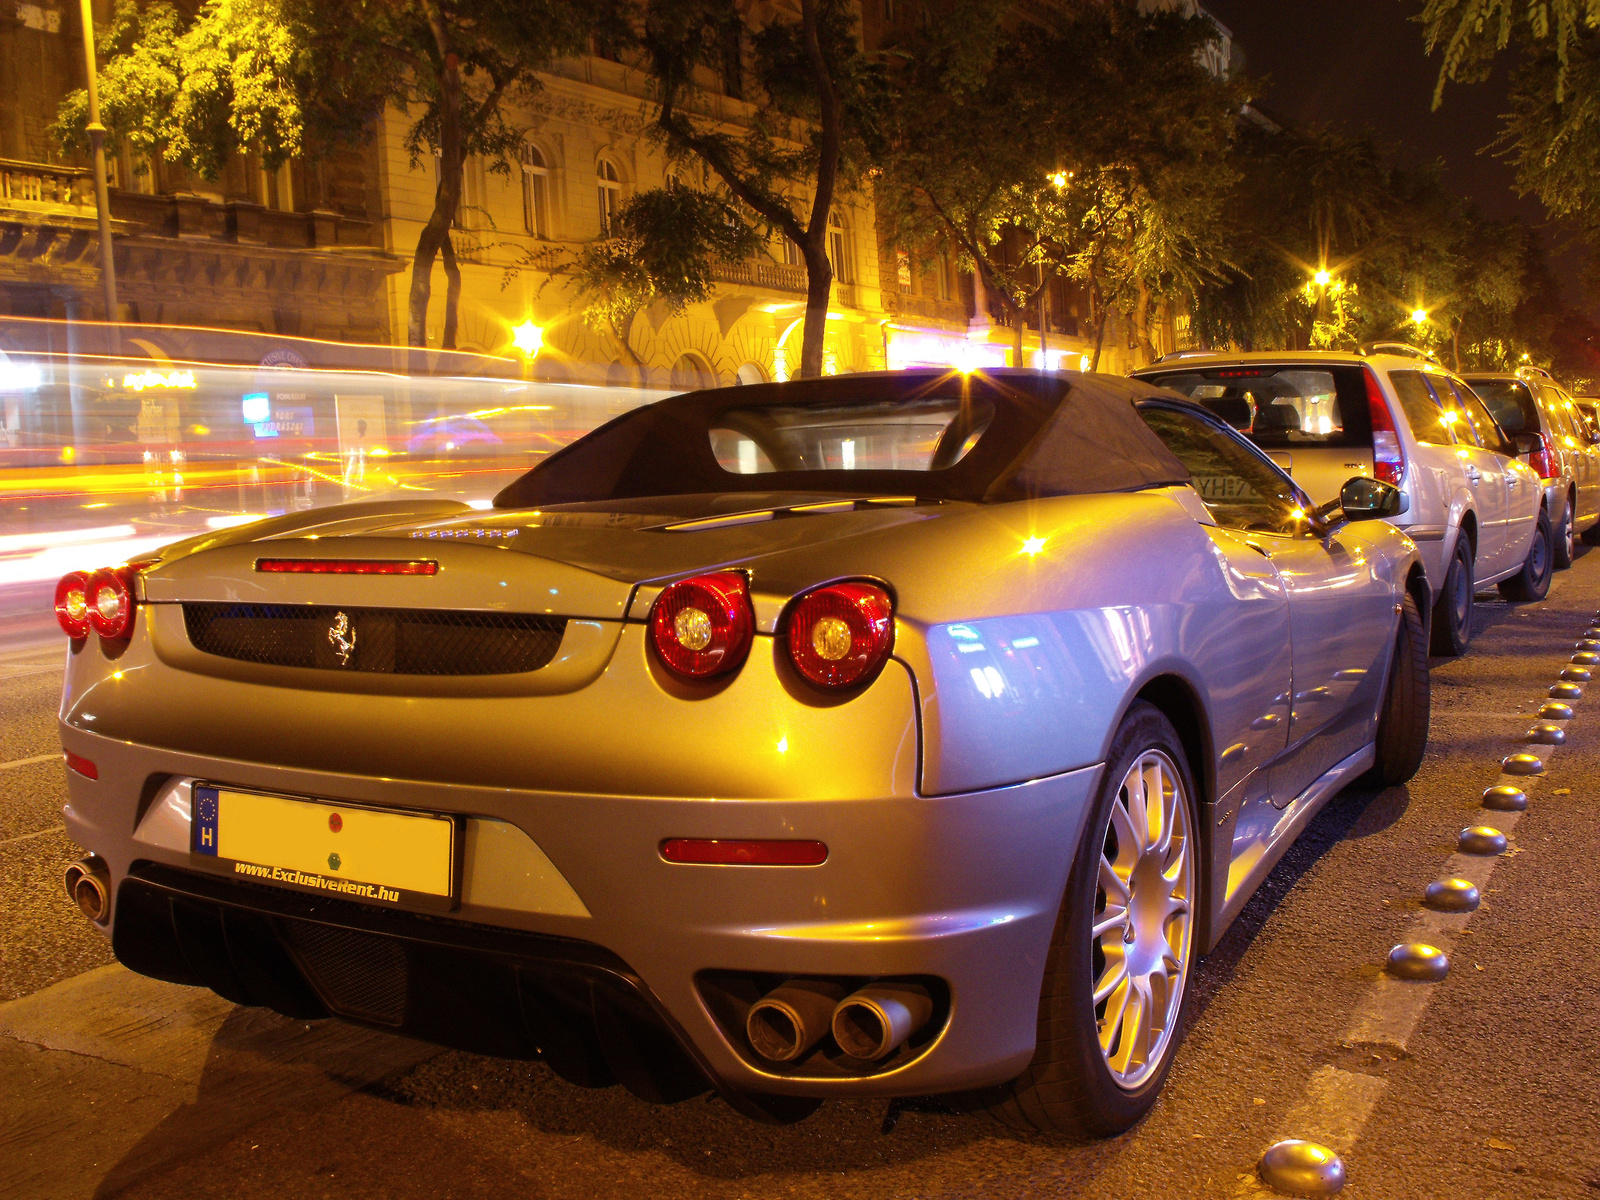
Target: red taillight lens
[841,635]
[346,566]
[1388,459]
[702,627]
[82,765]
[110,602]
[1542,458]
[726,852]
[72,604]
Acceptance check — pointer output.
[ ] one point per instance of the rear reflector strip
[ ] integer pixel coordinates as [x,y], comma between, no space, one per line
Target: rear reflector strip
[82,765]
[719,852]
[345,566]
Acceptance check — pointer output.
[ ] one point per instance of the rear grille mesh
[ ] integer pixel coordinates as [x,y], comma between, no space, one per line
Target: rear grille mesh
[399,641]
[358,974]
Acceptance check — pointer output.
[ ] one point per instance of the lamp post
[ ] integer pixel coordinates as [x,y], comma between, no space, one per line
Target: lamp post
[102,201]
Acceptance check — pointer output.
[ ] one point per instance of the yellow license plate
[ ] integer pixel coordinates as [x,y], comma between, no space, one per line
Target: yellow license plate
[376,855]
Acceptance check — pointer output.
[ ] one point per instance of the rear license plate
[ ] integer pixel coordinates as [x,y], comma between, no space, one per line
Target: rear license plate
[378,856]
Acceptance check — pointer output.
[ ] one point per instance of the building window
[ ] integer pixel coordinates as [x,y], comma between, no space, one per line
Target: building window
[610,194]
[732,62]
[941,276]
[839,252]
[535,191]
[791,253]
[277,188]
[902,270]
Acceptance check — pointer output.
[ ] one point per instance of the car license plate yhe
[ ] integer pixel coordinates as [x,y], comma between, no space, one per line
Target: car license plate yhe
[378,856]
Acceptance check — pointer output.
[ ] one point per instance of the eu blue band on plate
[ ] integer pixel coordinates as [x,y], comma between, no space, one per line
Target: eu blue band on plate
[203,822]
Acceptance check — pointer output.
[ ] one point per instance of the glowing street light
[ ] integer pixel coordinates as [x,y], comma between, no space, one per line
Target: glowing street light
[1060,178]
[1322,277]
[528,338]
[1419,316]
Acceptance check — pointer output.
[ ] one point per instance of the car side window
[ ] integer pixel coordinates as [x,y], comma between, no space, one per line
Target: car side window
[1421,407]
[1556,407]
[1455,415]
[1242,489]
[1489,433]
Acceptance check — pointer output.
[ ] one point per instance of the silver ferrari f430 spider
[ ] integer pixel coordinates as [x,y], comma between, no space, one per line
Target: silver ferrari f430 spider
[897,734]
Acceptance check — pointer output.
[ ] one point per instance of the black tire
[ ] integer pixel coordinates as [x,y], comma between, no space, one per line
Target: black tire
[1533,581]
[1403,723]
[1452,615]
[1564,542]
[1069,1088]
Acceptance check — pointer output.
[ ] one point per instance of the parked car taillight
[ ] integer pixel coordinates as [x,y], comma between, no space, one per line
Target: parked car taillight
[110,597]
[72,605]
[701,627]
[102,601]
[1388,458]
[840,635]
[1542,457]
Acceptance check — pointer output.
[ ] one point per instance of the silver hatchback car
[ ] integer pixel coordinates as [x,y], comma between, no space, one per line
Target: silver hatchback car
[1552,437]
[1476,512]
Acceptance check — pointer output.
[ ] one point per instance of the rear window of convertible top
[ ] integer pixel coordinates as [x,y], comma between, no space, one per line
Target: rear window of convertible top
[985,437]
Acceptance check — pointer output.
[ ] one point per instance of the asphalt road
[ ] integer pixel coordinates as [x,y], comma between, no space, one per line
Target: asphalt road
[1480,1086]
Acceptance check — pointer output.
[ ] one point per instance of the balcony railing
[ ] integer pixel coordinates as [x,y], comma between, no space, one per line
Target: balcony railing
[45,187]
[762,273]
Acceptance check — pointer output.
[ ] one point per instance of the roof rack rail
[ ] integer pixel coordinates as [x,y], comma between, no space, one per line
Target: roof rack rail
[1536,372]
[1185,354]
[1404,349]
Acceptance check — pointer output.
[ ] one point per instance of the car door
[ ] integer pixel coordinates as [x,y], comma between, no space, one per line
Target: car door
[1567,424]
[1486,475]
[1341,611]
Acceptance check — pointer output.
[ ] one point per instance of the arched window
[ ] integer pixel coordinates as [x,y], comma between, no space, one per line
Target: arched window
[535,191]
[689,373]
[610,194]
[750,373]
[840,252]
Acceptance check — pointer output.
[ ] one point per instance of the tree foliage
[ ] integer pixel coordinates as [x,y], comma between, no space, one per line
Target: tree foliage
[811,134]
[663,246]
[1095,148]
[286,77]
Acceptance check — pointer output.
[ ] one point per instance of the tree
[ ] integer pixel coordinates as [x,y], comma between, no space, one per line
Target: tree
[662,245]
[1127,202]
[811,133]
[1552,132]
[289,77]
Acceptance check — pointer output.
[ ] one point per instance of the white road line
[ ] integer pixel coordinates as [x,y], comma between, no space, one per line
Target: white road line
[28,762]
[1337,1104]
[35,834]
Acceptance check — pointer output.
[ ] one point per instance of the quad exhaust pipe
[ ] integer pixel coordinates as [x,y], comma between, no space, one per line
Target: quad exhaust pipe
[88,885]
[869,1024]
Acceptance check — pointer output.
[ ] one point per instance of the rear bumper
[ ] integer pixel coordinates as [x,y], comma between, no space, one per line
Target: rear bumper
[961,890]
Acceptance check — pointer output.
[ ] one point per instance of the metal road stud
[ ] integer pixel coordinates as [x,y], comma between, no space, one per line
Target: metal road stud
[1546,733]
[1418,962]
[1505,798]
[1450,895]
[1586,658]
[1588,644]
[1576,674]
[1481,839]
[1522,764]
[1298,1168]
[1566,691]
[1593,631]
[1554,710]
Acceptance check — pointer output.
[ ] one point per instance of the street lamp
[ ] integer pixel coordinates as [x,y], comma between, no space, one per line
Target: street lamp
[1322,277]
[528,338]
[1419,316]
[97,139]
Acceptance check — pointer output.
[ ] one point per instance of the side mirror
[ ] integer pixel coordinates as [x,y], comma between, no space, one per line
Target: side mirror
[1364,499]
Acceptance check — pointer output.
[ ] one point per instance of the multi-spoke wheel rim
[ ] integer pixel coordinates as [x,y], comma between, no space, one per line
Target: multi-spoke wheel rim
[1539,554]
[1143,928]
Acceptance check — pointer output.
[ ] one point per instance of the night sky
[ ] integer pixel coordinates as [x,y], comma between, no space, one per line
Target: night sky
[1359,64]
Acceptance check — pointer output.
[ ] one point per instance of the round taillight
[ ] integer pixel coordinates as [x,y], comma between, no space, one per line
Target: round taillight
[110,604]
[702,627]
[841,635]
[72,604]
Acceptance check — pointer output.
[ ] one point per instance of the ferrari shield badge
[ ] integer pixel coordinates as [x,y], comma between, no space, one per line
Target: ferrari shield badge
[342,636]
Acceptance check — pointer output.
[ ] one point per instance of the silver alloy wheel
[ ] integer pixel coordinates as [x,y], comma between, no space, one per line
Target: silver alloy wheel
[1568,536]
[1143,931]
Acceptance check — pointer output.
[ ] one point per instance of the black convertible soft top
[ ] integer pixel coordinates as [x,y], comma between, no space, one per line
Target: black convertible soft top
[1049,435]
